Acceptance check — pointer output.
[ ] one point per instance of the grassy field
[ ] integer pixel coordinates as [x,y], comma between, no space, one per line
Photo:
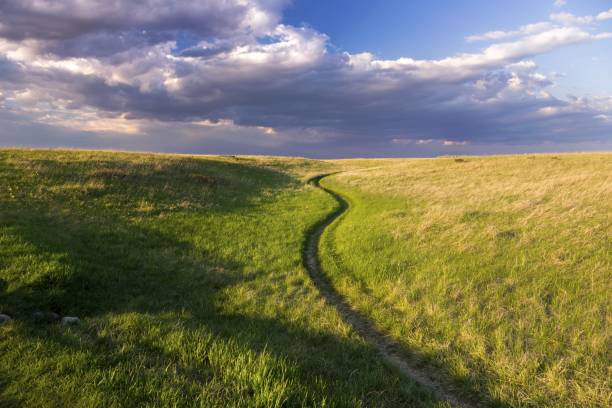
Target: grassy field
[186,273]
[494,273]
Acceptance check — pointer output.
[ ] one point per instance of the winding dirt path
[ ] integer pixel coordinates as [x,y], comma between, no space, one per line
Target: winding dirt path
[388,348]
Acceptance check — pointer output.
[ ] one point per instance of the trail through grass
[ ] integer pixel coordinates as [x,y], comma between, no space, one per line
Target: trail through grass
[187,275]
[389,350]
[495,273]
[492,273]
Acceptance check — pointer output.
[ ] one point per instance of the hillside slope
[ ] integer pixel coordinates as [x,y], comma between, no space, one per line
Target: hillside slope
[186,274]
[495,272]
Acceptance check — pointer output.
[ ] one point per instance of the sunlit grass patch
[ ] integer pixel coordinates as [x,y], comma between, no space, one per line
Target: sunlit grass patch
[495,271]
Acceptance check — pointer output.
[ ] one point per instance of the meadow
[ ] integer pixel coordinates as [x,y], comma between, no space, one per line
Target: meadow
[187,276]
[494,273]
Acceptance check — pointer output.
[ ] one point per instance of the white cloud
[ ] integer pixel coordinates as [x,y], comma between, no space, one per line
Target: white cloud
[560,3]
[492,35]
[454,142]
[556,20]
[569,19]
[605,15]
[408,141]
[501,35]
[494,56]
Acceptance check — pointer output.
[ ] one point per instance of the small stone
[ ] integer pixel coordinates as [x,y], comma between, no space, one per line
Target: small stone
[5,318]
[70,320]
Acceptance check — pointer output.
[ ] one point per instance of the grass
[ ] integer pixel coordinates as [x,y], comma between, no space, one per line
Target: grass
[494,273]
[186,273]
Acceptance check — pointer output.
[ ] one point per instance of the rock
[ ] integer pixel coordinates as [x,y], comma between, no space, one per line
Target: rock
[70,320]
[5,318]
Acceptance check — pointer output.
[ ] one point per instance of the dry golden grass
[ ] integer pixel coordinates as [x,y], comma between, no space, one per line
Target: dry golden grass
[495,270]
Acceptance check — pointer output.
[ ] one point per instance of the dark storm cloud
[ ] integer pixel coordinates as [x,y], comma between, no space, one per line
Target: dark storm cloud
[105,44]
[61,20]
[74,28]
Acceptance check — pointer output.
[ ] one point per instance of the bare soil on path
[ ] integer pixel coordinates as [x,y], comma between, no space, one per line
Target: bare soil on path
[389,349]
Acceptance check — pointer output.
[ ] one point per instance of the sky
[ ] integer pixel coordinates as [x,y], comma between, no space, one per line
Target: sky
[315,78]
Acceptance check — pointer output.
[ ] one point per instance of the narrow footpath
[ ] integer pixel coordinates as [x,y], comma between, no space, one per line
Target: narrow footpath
[388,348]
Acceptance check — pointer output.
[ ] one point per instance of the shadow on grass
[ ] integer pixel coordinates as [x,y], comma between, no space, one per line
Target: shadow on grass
[104,257]
[106,265]
[167,184]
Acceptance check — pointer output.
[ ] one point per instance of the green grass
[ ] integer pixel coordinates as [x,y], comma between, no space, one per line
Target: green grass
[187,275]
[494,273]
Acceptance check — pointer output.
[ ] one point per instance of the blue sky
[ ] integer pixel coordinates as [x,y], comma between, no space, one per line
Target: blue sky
[435,29]
[423,29]
[334,78]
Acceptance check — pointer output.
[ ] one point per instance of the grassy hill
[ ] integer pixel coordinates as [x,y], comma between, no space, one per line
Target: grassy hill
[495,271]
[186,272]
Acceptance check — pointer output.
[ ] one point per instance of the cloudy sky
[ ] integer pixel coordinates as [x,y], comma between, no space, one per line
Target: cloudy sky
[318,78]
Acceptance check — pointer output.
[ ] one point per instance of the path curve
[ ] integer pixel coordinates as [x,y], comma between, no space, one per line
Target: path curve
[387,348]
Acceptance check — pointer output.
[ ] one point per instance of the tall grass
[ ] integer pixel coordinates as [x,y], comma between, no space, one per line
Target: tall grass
[495,272]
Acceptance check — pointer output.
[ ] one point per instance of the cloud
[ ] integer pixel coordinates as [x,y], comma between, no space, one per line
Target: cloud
[570,19]
[560,3]
[454,143]
[605,15]
[243,80]
[501,35]
[49,20]
[493,57]
[556,20]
